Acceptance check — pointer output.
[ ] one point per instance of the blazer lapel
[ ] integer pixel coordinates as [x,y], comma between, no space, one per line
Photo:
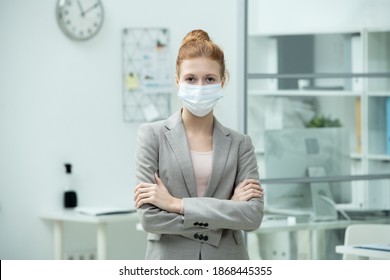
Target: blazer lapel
[178,140]
[221,148]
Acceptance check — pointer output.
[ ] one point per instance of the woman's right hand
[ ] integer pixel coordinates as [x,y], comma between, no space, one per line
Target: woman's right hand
[247,189]
[156,194]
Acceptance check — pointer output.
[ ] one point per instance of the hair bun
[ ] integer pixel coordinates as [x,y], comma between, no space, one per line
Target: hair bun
[196,35]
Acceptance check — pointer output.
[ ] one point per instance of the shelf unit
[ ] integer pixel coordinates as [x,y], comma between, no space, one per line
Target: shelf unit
[344,75]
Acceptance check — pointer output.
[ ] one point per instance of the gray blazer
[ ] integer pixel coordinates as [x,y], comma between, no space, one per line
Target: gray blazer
[211,227]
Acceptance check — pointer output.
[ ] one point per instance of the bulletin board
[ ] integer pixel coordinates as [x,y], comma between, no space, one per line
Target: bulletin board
[147,74]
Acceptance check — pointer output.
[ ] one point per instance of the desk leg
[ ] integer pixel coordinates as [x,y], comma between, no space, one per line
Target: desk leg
[318,244]
[58,240]
[314,244]
[102,241]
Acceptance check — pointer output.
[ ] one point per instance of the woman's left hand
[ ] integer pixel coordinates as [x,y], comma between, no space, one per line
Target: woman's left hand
[247,190]
[156,194]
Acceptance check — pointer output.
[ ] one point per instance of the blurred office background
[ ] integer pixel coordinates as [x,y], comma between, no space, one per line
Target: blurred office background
[61,101]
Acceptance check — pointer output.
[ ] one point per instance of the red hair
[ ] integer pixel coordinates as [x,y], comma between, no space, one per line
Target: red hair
[197,43]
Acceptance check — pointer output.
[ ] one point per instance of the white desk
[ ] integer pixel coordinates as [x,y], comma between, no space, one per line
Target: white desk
[58,219]
[268,227]
[363,253]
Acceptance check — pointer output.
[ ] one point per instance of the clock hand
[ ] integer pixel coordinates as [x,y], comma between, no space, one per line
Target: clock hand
[80,8]
[91,8]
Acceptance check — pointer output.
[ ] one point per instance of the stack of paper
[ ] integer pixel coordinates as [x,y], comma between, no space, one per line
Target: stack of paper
[380,247]
[107,210]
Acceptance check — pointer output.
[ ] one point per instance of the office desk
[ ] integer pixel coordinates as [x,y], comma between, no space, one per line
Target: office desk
[272,226]
[363,253]
[284,226]
[58,219]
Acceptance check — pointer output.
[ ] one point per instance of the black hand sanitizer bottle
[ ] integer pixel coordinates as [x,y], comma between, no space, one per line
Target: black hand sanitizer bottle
[70,196]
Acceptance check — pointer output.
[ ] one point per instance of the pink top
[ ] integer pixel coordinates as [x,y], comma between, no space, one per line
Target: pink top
[202,163]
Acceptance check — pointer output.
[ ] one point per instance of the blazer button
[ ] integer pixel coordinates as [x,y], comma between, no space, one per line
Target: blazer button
[196,236]
[201,237]
[205,224]
[200,224]
[206,238]
[196,223]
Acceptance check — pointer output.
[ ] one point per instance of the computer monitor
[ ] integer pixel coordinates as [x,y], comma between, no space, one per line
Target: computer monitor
[307,152]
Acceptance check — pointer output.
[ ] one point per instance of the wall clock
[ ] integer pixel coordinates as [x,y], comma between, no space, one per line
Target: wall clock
[80,19]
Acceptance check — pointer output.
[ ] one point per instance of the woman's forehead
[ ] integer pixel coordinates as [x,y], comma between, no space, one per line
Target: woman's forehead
[200,65]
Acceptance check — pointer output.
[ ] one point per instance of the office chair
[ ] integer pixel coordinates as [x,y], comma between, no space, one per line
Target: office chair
[366,234]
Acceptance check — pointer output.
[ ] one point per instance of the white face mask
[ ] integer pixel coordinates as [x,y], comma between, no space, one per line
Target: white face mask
[200,100]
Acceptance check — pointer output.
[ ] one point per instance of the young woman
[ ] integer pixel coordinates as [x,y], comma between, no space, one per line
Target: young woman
[198,180]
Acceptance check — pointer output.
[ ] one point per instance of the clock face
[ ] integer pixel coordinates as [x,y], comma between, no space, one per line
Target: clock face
[80,19]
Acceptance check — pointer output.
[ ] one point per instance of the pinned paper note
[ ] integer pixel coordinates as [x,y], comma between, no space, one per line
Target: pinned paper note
[132,81]
[151,113]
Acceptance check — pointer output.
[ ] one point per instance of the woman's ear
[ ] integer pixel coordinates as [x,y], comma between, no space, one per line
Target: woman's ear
[177,80]
[223,81]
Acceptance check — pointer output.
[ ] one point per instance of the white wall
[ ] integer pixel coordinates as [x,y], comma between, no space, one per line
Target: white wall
[60,101]
[308,16]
